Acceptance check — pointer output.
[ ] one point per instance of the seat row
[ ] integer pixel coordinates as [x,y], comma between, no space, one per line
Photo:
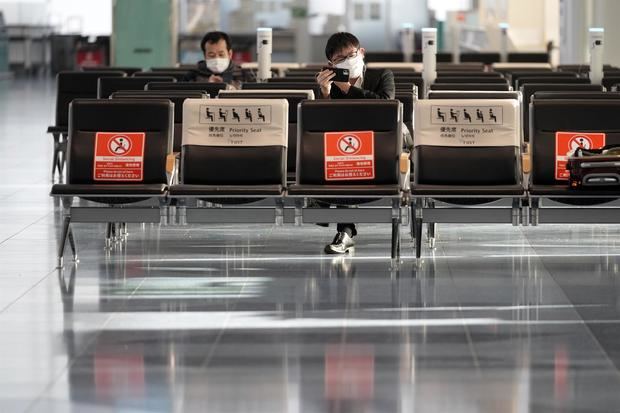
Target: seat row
[467,158]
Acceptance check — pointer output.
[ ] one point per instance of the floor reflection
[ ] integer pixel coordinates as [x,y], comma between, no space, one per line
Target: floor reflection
[444,364]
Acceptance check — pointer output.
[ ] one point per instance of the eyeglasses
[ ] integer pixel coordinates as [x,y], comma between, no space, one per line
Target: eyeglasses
[341,59]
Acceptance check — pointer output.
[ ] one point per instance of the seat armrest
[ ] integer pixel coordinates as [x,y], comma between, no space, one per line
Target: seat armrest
[404,166]
[172,167]
[526,162]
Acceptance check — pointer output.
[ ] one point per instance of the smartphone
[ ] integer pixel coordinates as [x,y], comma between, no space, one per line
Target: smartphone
[342,75]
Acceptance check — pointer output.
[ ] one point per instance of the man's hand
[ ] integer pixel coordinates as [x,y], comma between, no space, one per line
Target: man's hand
[344,86]
[216,79]
[324,79]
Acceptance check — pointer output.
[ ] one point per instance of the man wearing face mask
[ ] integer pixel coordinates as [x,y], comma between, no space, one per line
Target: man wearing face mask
[217,66]
[343,51]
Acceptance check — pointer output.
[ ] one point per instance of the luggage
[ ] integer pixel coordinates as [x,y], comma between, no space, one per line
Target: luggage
[591,168]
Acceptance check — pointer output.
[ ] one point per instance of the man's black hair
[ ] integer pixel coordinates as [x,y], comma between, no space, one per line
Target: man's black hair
[214,37]
[339,41]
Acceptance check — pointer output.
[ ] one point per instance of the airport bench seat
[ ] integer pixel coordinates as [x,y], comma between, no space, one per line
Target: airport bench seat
[218,191]
[110,190]
[467,190]
[342,191]
[125,186]
[568,192]
[458,141]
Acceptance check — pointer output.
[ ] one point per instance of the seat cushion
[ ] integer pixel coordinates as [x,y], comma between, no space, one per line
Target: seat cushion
[463,190]
[565,190]
[345,190]
[201,191]
[112,190]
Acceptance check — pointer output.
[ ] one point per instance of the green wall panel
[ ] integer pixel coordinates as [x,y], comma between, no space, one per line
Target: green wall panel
[144,33]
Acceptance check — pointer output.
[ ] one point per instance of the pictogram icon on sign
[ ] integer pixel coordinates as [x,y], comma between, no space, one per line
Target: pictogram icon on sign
[579,142]
[349,145]
[119,145]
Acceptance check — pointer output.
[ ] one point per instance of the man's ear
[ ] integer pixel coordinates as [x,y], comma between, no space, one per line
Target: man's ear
[363,51]
[230,54]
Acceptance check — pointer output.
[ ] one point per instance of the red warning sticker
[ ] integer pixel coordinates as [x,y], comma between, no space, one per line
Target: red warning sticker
[119,156]
[349,155]
[565,145]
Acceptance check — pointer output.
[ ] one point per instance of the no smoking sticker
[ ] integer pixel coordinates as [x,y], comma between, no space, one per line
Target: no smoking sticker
[565,145]
[349,156]
[119,156]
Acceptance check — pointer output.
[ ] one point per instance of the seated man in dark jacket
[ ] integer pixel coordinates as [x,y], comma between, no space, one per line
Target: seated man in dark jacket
[343,51]
[218,66]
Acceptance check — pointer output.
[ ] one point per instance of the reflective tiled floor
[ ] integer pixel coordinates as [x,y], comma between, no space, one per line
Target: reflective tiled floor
[257,319]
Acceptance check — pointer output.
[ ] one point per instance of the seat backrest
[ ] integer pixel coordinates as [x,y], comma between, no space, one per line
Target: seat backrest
[307,74]
[576,94]
[234,141]
[582,68]
[211,88]
[183,69]
[74,85]
[483,57]
[516,67]
[396,66]
[529,89]
[409,84]
[471,86]
[109,85]
[442,57]
[310,79]
[294,97]
[515,76]
[464,66]
[301,70]
[471,79]
[179,75]
[405,72]
[609,81]
[119,141]
[556,123]
[528,57]
[572,80]
[459,141]
[376,126]
[177,97]
[463,73]
[127,70]
[284,86]
[479,94]
[384,57]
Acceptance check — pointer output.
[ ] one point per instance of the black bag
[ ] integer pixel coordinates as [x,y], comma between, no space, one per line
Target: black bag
[591,168]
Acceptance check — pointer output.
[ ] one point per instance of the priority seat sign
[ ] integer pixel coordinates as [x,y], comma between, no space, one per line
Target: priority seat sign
[349,155]
[565,145]
[119,156]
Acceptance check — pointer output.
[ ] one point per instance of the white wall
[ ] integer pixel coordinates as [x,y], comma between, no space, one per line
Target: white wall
[380,35]
[605,14]
[89,17]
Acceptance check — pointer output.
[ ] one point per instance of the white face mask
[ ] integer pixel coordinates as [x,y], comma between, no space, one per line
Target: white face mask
[218,64]
[354,64]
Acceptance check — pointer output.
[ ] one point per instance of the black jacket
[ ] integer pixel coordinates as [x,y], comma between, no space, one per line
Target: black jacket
[378,84]
[202,73]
